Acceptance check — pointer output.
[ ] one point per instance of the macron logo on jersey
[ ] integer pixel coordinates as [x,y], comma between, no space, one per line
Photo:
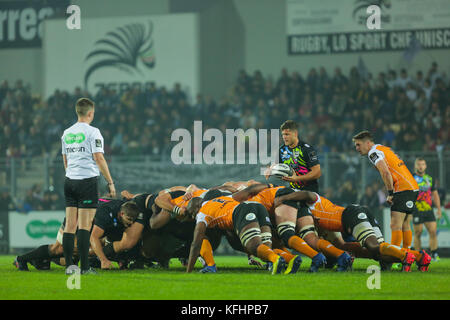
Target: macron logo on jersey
[79,149]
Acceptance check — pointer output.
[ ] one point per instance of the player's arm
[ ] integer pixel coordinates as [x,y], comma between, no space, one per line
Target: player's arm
[159,220]
[437,202]
[130,237]
[65,162]
[176,188]
[199,234]
[164,201]
[387,178]
[307,196]
[314,174]
[96,245]
[103,167]
[250,191]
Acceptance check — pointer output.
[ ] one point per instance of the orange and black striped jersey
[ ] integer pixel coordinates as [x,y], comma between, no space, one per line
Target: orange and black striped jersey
[218,212]
[401,176]
[266,198]
[328,214]
[179,201]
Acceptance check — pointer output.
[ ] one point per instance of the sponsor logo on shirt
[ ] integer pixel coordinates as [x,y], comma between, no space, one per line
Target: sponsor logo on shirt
[79,149]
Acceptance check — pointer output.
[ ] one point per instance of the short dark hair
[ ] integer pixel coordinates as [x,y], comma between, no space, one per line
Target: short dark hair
[130,209]
[363,135]
[420,159]
[83,105]
[289,125]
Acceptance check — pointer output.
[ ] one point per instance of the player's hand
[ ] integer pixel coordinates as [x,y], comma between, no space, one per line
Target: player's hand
[106,264]
[267,172]
[390,200]
[439,214]
[112,190]
[188,196]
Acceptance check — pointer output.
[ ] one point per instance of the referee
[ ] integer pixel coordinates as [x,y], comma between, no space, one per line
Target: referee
[82,150]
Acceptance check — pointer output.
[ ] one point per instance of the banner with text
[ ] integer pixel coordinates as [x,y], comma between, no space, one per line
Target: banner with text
[21,21]
[315,27]
[121,53]
[34,228]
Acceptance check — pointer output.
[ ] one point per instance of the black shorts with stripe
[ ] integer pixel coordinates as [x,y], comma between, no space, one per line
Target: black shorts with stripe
[405,201]
[420,217]
[248,212]
[81,194]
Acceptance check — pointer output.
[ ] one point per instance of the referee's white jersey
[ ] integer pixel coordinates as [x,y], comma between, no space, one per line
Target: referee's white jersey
[79,143]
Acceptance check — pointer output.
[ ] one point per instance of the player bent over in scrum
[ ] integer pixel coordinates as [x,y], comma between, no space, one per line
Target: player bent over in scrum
[353,220]
[249,220]
[287,220]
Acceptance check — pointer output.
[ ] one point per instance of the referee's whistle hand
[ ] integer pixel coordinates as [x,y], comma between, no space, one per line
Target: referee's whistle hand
[112,191]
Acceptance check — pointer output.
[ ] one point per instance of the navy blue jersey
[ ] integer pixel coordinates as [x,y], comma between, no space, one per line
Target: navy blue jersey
[301,159]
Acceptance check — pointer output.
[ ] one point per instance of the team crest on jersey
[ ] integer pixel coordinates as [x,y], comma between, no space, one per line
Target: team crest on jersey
[98,143]
[362,216]
[141,216]
[296,153]
[250,216]
[373,156]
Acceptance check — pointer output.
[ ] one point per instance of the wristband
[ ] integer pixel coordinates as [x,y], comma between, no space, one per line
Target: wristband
[391,192]
[269,185]
[175,211]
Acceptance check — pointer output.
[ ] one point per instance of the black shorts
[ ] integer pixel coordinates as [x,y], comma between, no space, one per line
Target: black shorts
[284,191]
[355,215]
[248,212]
[420,217]
[405,201]
[81,193]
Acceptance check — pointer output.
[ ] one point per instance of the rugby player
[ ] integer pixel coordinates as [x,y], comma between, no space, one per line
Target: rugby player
[167,221]
[301,157]
[424,212]
[353,220]
[401,186]
[249,220]
[112,220]
[286,219]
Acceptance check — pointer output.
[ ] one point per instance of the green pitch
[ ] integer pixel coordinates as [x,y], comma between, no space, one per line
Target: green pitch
[234,281]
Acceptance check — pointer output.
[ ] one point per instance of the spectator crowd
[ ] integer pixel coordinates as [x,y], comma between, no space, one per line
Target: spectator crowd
[410,112]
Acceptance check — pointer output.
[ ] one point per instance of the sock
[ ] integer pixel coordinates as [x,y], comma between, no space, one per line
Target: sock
[397,238]
[83,242]
[206,252]
[391,250]
[38,253]
[327,248]
[417,254]
[301,246]
[265,253]
[68,244]
[287,256]
[407,239]
[356,249]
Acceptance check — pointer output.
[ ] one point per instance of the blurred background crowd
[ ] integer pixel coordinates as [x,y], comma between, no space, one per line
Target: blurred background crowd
[410,112]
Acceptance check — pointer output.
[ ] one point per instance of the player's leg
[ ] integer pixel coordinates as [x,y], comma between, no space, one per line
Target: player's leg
[69,234]
[418,229]
[85,218]
[432,231]
[406,231]
[246,219]
[397,219]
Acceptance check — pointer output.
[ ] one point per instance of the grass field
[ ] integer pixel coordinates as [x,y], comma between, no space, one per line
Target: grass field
[234,281]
